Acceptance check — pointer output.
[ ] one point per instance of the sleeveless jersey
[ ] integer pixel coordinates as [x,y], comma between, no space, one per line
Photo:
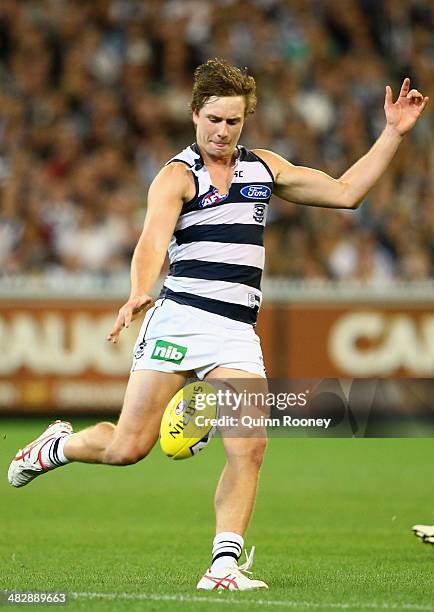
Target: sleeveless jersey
[216,253]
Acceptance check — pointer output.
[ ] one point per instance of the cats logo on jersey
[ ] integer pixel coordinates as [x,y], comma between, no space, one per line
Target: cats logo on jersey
[259,212]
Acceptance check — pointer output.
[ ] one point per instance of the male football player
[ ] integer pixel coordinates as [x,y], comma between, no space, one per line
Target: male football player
[208,206]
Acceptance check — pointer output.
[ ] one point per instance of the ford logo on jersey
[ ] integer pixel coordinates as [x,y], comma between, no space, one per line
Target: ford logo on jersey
[212,197]
[256,192]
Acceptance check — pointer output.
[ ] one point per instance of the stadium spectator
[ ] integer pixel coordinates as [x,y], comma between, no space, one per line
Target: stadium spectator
[94,99]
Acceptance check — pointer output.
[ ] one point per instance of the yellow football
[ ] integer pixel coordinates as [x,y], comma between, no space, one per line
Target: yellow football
[188,422]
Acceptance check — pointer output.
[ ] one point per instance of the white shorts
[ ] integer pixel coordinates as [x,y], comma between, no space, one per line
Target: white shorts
[179,338]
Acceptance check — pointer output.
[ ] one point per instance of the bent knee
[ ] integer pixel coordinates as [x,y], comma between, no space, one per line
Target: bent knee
[124,455]
[105,428]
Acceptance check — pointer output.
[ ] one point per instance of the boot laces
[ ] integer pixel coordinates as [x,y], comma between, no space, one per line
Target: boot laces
[248,562]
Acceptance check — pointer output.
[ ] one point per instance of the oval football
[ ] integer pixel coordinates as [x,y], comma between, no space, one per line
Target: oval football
[182,435]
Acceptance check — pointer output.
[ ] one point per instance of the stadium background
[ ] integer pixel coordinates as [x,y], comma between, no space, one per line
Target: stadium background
[93,100]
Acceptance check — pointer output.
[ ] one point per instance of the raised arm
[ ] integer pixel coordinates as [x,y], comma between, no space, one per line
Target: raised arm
[172,186]
[307,186]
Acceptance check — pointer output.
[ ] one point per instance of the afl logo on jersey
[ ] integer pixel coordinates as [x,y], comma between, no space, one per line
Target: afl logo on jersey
[256,192]
[212,197]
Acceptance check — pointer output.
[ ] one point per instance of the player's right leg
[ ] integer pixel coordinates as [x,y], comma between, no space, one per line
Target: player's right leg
[147,395]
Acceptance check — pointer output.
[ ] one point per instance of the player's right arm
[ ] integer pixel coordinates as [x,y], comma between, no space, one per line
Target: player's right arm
[172,186]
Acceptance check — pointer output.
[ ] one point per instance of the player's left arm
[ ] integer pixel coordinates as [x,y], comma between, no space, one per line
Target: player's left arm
[315,188]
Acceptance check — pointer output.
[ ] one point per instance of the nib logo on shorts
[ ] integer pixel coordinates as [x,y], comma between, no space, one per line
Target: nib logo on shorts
[166,351]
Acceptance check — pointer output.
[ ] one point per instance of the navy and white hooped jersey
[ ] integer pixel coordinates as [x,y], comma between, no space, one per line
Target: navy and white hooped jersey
[216,253]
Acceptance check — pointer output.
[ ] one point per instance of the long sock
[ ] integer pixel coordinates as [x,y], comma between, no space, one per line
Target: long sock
[226,549]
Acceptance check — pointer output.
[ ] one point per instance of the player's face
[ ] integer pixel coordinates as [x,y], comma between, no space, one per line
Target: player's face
[218,125]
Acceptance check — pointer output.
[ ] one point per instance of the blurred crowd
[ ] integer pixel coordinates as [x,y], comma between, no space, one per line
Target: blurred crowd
[94,99]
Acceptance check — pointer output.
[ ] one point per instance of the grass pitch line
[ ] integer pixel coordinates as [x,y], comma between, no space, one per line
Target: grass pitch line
[262,602]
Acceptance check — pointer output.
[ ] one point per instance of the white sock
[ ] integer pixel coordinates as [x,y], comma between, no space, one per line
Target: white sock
[52,454]
[60,454]
[226,549]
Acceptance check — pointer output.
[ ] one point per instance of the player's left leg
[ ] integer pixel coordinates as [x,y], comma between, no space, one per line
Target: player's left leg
[235,496]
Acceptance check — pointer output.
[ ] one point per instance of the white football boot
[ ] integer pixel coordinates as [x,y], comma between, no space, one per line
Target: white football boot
[425,533]
[27,463]
[231,578]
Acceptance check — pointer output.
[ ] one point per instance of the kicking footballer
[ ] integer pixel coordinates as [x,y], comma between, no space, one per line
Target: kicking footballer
[207,207]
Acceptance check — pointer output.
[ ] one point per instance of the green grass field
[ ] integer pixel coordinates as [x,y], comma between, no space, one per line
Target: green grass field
[331,528]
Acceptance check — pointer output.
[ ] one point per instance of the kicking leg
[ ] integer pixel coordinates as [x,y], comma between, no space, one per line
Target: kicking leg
[148,393]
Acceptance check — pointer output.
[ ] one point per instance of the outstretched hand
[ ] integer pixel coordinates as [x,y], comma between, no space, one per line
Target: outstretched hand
[127,313]
[403,114]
